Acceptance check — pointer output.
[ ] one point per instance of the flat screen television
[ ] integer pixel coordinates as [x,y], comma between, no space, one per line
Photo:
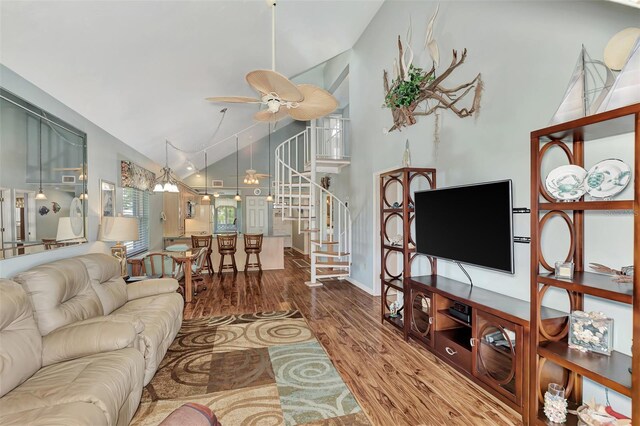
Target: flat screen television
[471,224]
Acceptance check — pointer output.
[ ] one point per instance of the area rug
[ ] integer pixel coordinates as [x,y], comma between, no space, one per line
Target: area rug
[254,369]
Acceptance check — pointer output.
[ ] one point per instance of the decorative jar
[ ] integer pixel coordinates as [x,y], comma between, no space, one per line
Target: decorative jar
[564,270]
[555,405]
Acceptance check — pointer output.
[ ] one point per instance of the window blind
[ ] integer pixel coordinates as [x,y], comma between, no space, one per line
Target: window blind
[135,203]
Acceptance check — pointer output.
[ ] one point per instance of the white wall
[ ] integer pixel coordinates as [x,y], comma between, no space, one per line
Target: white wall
[104,153]
[526,52]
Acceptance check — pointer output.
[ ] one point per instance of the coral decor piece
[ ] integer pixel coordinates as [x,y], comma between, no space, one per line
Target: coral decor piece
[414,91]
[624,275]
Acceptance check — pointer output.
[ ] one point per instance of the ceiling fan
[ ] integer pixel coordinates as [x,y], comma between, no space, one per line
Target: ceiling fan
[282,97]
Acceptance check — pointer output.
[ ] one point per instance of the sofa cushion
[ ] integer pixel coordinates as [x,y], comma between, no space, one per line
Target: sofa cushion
[20,340]
[104,272]
[107,380]
[75,413]
[162,318]
[60,294]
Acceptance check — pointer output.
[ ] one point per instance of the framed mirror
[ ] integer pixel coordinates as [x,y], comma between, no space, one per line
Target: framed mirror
[43,179]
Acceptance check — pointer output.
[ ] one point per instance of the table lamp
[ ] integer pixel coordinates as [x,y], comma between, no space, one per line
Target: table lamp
[120,229]
[65,232]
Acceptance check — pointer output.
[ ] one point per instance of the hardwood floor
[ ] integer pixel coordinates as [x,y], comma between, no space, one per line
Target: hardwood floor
[396,383]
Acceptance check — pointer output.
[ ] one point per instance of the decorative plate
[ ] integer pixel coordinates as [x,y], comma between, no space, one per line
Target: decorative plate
[75,215]
[566,183]
[257,191]
[607,178]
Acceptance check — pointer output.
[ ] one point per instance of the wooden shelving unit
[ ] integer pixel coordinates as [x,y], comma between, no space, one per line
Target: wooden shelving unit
[395,187]
[610,371]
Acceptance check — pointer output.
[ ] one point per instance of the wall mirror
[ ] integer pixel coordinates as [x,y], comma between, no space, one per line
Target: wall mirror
[43,179]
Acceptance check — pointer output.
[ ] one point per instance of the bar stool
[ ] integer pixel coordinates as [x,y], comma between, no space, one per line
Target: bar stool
[253,245]
[198,241]
[227,246]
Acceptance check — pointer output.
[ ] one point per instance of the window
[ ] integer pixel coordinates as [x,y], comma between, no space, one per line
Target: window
[226,219]
[135,203]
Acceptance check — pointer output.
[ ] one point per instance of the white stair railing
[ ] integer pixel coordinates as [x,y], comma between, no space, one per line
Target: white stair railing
[300,198]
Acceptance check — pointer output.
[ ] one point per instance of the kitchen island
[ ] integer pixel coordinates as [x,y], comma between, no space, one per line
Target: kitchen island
[272,256]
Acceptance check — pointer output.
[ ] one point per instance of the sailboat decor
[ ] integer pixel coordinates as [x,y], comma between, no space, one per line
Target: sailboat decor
[589,85]
[626,89]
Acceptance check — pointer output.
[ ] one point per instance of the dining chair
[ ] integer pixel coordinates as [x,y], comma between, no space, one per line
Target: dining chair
[198,241]
[197,267]
[50,243]
[160,265]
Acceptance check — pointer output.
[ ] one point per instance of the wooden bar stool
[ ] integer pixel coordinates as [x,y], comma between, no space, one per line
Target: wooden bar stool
[198,241]
[253,245]
[227,246]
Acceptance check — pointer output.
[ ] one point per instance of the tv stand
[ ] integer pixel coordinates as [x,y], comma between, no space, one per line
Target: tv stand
[493,349]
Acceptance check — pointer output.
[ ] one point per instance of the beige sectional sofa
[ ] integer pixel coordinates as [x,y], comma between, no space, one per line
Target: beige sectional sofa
[77,344]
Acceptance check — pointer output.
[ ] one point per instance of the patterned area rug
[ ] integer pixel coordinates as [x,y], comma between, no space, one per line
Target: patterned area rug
[255,369]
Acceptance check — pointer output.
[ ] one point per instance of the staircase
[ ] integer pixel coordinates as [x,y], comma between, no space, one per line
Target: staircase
[320,148]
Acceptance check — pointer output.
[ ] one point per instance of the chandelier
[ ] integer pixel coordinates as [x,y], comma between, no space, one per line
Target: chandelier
[167,181]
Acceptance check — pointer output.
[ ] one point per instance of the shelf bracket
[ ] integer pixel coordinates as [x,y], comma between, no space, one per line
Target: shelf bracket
[521,210]
[522,240]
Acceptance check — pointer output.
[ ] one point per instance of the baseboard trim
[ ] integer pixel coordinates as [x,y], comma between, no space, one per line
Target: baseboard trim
[361,286]
[299,251]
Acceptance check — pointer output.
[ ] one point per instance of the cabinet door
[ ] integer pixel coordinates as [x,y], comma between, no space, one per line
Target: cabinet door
[422,315]
[498,354]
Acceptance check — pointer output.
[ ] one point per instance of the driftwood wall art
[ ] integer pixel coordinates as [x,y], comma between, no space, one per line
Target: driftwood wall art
[414,91]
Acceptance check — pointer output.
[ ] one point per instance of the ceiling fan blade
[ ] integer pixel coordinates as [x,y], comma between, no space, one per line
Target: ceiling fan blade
[235,99]
[266,81]
[266,115]
[317,103]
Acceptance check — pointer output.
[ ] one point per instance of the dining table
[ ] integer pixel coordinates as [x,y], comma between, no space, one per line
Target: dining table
[185,258]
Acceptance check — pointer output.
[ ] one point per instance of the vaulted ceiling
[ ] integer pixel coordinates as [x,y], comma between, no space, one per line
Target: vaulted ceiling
[141,69]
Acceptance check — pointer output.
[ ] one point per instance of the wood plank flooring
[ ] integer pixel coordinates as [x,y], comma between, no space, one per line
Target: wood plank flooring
[396,383]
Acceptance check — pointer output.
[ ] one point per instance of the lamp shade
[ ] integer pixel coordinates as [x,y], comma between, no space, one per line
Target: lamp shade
[119,229]
[65,231]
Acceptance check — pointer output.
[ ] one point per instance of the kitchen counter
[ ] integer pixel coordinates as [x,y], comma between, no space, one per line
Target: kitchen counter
[272,255]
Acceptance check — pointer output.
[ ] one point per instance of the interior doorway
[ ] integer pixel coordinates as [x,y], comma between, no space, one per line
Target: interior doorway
[257,211]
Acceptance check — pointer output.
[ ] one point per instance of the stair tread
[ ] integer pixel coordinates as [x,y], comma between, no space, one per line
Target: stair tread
[325,242]
[329,253]
[332,273]
[332,264]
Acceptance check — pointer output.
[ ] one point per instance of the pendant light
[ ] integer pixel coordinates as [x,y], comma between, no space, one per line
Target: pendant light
[40,195]
[166,182]
[269,197]
[206,197]
[237,197]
